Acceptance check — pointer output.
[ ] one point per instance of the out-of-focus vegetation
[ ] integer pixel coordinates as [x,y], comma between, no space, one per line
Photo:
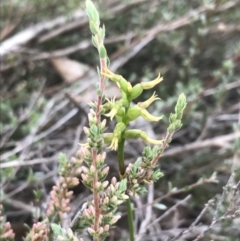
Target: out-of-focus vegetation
[48,77]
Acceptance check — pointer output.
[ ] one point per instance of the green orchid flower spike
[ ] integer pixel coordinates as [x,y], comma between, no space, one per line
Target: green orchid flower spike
[124,114]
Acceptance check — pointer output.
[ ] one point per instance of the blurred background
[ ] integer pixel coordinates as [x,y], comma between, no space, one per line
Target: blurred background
[49,75]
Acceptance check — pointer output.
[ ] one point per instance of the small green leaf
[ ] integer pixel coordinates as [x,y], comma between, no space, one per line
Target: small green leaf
[94,29]
[102,51]
[63,158]
[57,229]
[102,32]
[123,185]
[99,92]
[92,11]
[98,71]
[108,61]
[38,194]
[94,41]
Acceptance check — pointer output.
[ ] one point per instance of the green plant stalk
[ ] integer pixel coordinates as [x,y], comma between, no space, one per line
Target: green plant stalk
[120,153]
[130,219]
[122,174]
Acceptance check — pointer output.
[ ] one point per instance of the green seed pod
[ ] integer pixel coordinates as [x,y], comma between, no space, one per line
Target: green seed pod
[132,134]
[124,84]
[134,112]
[135,133]
[120,127]
[118,118]
[120,113]
[136,91]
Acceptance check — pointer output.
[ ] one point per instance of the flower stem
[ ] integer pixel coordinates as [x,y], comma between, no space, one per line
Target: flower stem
[121,158]
[130,219]
[122,175]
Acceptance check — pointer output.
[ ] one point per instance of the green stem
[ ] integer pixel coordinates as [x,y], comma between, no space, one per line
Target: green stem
[122,175]
[121,158]
[130,219]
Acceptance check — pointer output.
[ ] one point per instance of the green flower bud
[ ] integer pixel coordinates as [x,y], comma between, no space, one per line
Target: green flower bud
[136,91]
[181,103]
[151,84]
[134,112]
[147,116]
[148,102]
[180,106]
[132,134]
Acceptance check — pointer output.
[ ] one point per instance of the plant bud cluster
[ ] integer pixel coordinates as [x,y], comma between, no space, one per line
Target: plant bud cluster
[6,232]
[39,232]
[143,171]
[60,195]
